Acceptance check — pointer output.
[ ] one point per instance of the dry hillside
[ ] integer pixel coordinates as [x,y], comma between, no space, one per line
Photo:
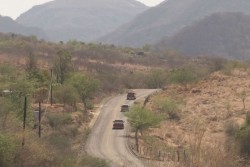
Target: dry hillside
[209,110]
[220,34]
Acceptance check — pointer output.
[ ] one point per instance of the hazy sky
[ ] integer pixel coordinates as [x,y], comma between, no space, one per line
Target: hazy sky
[14,8]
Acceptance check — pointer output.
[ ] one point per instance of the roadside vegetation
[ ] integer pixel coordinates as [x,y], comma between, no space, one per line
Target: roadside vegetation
[141,119]
[202,124]
[69,79]
[64,121]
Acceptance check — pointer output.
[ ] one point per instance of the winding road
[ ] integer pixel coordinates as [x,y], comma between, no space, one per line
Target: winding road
[109,144]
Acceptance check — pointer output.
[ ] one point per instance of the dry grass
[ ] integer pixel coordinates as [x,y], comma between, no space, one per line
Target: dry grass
[201,133]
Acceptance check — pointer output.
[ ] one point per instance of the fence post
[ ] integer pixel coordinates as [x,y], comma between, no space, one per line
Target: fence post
[39,120]
[178,156]
[24,119]
[51,89]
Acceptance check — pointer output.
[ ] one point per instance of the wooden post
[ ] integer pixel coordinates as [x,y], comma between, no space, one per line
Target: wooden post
[24,119]
[178,156]
[185,157]
[39,120]
[51,78]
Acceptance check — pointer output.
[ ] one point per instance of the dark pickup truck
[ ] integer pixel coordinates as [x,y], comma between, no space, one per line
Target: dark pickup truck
[124,108]
[118,124]
[131,96]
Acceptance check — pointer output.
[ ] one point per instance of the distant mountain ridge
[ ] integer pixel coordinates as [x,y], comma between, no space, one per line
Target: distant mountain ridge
[83,20]
[220,34]
[168,18]
[7,25]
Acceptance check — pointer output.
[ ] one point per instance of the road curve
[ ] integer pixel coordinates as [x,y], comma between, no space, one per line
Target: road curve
[109,144]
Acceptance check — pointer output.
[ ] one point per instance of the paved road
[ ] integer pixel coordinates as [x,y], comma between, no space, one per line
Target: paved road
[109,144]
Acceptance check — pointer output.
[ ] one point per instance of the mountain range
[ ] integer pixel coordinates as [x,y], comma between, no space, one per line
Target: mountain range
[194,27]
[220,34]
[86,20]
[8,25]
[168,18]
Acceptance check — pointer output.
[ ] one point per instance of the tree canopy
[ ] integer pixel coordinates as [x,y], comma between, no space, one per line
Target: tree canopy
[85,85]
[142,119]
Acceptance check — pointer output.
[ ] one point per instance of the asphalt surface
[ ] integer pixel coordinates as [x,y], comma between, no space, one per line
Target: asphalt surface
[110,144]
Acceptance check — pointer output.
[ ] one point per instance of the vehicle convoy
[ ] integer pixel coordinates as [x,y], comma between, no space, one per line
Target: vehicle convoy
[124,108]
[131,95]
[118,124]
[111,144]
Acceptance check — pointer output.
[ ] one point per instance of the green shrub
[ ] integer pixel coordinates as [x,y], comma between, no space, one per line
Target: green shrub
[231,128]
[60,142]
[168,107]
[74,131]
[231,65]
[182,76]
[67,161]
[89,105]
[58,120]
[243,137]
[248,119]
[93,162]
[66,94]
[156,79]
[7,151]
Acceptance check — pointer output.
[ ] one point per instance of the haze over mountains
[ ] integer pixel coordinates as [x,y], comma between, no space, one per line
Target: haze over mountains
[168,18]
[81,20]
[7,25]
[172,24]
[220,34]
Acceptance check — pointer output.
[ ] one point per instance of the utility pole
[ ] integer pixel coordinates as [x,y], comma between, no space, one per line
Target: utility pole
[24,119]
[61,75]
[39,120]
[51,79]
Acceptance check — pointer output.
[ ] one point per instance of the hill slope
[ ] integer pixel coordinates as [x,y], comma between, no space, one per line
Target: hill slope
[221,34]
[169,17]
[8,25]
[81,20]
[206,114]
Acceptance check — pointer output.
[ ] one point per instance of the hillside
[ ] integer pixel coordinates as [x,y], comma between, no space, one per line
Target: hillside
[117,68]
[8,25]
[168,18]
[84,78]
[210,112]
[222,34]
[80,20]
